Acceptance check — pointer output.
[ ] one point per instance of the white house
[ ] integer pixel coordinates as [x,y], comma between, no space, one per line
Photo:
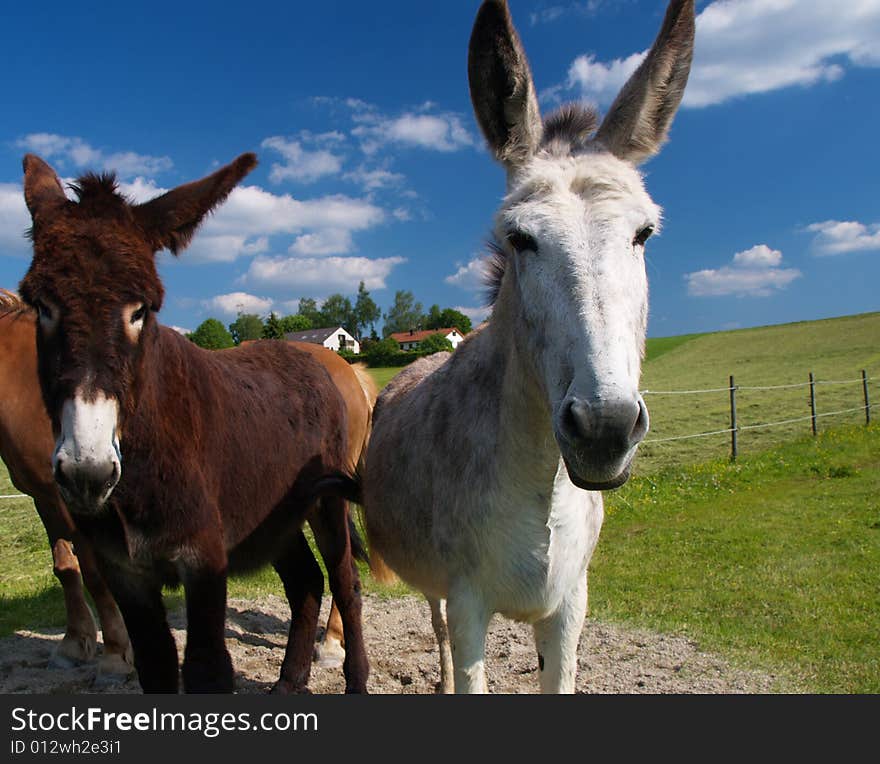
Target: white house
[335,338]
[410,340]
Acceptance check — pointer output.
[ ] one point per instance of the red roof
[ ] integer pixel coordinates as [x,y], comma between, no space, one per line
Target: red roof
[418,336]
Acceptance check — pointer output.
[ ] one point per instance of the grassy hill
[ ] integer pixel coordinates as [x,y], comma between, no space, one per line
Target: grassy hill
[833,349]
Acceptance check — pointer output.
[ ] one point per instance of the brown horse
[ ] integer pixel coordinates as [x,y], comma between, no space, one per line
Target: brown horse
[26,446]
[181,464]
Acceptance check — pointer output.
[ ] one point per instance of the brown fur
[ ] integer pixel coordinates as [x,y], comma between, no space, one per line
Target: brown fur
[223,453]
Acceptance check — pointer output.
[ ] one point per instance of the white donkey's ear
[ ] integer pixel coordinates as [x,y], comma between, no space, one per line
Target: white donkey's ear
[638,122]
[502,91]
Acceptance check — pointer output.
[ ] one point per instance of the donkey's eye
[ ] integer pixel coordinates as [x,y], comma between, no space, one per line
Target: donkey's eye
[522,242]
[139,314]
[643,235]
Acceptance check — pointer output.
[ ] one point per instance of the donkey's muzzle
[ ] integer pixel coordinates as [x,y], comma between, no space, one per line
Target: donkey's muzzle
[598,439]
[85,487]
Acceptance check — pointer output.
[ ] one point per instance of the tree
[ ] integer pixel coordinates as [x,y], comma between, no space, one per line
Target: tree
[308,309]
[404,315]
[337,311]
[295,323]
[272,329]
[434,344]
[248,326]
[366,312]
[446,319]
[211,335]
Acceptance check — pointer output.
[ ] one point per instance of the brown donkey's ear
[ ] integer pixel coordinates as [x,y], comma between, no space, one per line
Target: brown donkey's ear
[638,121]
[171,220]
[502,91]
[42,189]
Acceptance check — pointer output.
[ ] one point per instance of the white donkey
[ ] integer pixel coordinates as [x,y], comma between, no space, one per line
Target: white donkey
[484,471]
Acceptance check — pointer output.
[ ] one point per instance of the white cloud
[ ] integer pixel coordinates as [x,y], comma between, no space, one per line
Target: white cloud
[301,164]
[753,273]
[471,275]
[14,221]
[242,226]
[181,330]
[760,256]
[238,302]
[141,189]
[319,275]
[332,241]
[745,47]
[75,151]
[838,238]
[372,180]
[443,132]
[476,315]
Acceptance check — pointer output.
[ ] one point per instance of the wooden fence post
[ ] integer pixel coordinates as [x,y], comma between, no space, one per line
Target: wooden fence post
[734,446]
[813,402]
[867,400]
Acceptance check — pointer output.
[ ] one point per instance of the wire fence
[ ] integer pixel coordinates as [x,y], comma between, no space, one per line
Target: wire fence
[737,427]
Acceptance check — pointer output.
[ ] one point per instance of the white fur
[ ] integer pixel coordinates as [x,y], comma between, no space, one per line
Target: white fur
[89,436]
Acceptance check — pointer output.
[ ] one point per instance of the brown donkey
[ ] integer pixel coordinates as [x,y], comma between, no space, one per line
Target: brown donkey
[181,464]
[26,444]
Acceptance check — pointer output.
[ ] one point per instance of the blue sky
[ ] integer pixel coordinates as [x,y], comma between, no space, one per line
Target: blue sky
[371,165]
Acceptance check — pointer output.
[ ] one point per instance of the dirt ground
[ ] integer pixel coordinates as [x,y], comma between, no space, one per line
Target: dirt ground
[403,656]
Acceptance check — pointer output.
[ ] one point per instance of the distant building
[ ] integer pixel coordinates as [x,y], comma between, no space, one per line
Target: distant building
[335,338]
[410,340]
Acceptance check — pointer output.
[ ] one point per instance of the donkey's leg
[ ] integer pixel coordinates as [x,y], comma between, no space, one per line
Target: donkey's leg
[303,585]
[207,666]
[117,660]
[139,596]
[441,631]
[557,639]
[468,619]
[330,524]
[80,640]
[330,650]
[81,635]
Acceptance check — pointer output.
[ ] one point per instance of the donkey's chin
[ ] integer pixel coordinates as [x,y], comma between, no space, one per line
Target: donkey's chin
[86,504]
[597,479]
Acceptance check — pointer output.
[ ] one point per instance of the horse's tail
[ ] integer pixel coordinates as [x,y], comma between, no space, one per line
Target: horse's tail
[348,487]
[371,393]
[358,548]
[380,570]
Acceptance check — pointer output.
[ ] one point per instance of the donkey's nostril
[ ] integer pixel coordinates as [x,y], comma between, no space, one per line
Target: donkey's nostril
[640,428]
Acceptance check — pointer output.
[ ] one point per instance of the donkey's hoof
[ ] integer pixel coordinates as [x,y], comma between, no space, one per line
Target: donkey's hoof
[73,651]
[115,668]
[329,654]
[283,687]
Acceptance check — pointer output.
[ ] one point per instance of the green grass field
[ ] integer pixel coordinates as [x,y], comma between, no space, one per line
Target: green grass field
[772,562]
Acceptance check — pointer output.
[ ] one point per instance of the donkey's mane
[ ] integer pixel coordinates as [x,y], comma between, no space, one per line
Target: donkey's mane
[567,131]
[99,194]
[570,128]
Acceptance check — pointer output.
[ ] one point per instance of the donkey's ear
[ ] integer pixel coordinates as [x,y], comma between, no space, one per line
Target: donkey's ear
[638,122]
[502,90]
[42,189]
[171,220]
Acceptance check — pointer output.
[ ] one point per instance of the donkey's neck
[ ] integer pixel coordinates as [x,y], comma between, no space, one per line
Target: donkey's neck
[527,452]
